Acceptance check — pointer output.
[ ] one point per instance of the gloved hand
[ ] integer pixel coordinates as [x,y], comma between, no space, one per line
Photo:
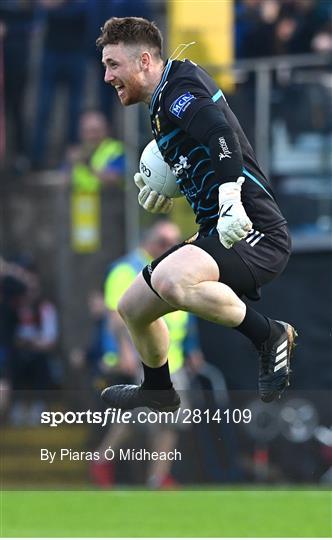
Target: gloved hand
[150,200]
[233,223]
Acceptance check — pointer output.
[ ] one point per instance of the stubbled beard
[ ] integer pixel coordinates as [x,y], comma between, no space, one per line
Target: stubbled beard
[132,95]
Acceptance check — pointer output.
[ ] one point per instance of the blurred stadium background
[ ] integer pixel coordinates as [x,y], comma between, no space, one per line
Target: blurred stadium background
[58,236]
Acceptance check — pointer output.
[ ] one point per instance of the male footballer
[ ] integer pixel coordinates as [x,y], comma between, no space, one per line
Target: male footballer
[242,242]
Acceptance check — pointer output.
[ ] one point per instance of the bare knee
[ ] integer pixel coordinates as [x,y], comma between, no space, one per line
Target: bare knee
[123,308]
[127,310]
[132,312]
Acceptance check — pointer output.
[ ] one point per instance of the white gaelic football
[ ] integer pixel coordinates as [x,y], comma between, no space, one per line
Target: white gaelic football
[156,173]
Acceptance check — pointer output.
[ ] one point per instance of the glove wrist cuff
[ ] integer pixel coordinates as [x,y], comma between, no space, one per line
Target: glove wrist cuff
[230,191]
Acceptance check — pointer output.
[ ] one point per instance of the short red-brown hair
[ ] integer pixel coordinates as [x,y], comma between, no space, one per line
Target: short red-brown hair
[131,31]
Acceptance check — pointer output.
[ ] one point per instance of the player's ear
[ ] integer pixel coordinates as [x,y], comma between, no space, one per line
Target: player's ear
[145,60]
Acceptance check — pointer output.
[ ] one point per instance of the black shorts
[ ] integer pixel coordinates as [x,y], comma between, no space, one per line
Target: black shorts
[245,267]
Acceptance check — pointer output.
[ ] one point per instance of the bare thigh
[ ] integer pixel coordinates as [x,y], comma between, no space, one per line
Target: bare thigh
[187,266]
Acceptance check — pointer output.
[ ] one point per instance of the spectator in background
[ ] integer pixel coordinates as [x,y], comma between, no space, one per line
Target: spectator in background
[98,160]
[283,34]
[16,26]
[93,364]
[35,342]
[273,27]
[255,22]
[64,61]
[305,18]
[322,41]
[13,284]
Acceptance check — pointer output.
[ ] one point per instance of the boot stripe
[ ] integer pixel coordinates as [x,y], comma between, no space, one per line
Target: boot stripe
[282,346]
[279,366]
[283,354]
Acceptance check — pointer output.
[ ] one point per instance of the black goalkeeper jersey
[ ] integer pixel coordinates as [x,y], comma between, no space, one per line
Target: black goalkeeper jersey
[185,89]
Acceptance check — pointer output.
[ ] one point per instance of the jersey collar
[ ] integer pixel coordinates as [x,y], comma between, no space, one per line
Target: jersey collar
[160,85]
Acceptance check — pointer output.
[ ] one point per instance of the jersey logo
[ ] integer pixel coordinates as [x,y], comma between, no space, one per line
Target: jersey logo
[181,104]
[183,164]
[225,152]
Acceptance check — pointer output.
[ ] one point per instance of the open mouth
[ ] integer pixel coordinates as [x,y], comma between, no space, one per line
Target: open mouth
[120,89]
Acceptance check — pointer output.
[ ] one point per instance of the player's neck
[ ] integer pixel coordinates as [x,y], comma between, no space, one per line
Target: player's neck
[154,79]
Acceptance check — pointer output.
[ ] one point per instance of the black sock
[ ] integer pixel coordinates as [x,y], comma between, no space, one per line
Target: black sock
[157,378]
[255,326]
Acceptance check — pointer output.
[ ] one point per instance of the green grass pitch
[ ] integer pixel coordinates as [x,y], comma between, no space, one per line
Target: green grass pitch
[238,513]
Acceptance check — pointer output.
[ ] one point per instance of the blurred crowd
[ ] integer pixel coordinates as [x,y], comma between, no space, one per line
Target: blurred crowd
[28,341]
[48,48]
[277,27]
[53,42]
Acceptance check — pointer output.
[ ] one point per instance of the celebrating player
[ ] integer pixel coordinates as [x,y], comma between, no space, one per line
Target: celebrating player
[242,242]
